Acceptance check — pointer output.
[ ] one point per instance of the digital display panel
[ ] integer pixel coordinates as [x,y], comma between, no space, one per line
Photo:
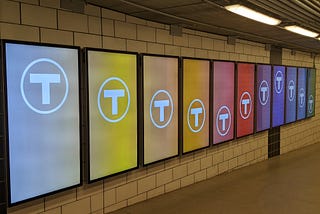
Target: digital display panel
[196,80]
[245,99]
[223,101]
[278,95]
[291,88]
[263,97]
[42,91]
[112,86]
[160,88]
[311,92]
[301,93]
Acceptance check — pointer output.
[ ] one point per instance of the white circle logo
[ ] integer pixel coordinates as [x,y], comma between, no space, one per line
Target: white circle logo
[278,79]
[196,112]
[310,109]
[301,97]
[245,105]
[264,92]
[291,90]
[46,80]
[223,115]
[161,105]
[114,94]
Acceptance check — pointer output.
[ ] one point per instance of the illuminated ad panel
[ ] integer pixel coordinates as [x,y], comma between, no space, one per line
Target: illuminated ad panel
[43,119]
[112,84]
[160,87]
[196,82]
[291,88]
[301,93]
[311,92]
[278,95]
[263,96]
[223,101]
[245,99]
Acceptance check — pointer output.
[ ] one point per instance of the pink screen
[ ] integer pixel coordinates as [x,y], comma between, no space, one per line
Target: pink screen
[223,101]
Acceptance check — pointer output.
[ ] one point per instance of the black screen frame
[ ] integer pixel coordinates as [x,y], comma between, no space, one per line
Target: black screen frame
[234,101]
[6,127]
[86,86]
[181,95]
[142,71]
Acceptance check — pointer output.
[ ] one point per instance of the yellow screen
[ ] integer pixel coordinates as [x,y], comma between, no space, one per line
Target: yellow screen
[195,104]
[112,112]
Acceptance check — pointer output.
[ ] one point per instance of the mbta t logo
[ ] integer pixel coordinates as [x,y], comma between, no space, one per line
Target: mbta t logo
[245,105]
[310,104]
[113,99]
[161,109]
[44,86]
[302,97]
[196,115]
[223,120]
[278,80]
[291,90]
[264,92]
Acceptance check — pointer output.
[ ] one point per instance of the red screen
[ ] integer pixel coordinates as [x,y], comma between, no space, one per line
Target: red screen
[223,101]
[245,99]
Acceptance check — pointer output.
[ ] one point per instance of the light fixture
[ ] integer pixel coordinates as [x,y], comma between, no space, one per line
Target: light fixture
[251,14]
[301,31]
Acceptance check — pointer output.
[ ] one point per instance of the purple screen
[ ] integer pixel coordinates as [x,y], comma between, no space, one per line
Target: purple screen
[278,95]
[301,93]
[291,88]
[263,96]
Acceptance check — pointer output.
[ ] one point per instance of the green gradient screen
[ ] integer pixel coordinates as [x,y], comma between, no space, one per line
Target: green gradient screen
[311,78]
[112,112]
[195,104]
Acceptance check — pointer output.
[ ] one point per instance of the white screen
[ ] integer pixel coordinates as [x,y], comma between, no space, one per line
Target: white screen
[43,119]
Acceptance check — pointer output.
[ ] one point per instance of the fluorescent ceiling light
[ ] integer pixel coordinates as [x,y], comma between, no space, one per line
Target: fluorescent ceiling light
[301,31]
[251,14]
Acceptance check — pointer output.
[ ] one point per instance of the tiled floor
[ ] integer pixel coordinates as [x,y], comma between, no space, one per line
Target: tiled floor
[284,184]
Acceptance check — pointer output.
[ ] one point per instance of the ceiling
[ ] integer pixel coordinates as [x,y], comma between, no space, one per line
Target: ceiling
[210,16]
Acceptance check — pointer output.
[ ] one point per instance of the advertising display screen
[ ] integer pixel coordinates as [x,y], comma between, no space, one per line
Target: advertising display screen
[160,88]
[196,80]
[112,86]
[245,99]
[301,93]
[291,88]
[278,95]
[311,92]
[42,91]
[223,101]
[263,97]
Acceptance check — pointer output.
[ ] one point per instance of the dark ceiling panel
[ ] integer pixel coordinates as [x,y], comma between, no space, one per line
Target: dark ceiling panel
[210,16]
[116,5]
[161,4]
[156,17]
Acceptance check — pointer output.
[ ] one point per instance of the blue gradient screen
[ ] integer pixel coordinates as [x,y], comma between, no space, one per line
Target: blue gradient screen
[301,93]
[278,92]
[291,89]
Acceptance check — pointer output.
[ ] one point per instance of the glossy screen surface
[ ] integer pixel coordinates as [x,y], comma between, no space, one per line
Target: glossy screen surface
[43,119]
[160,87]
[112,80]
[195,104]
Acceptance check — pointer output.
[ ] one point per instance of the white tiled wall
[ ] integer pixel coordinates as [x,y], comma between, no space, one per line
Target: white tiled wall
[44,21]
